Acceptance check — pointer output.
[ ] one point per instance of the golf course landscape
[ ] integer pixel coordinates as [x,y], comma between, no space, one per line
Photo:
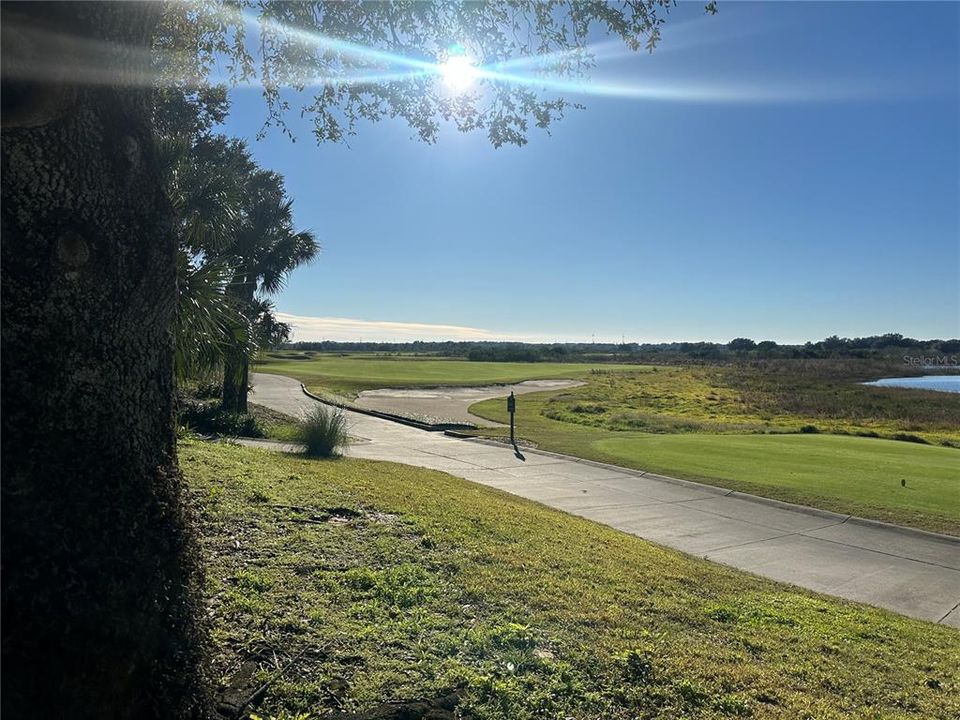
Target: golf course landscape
[445,360]
[806,432]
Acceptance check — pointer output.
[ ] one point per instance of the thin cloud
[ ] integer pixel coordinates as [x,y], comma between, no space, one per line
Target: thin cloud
[308,328]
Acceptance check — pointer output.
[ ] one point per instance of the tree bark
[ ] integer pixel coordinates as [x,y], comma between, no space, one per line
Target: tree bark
[244,389]
[236,365]
[236,382]
[101,572]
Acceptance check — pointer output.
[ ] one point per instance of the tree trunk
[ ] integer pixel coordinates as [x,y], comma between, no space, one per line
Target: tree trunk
[236,382]
[244,390]
[236,364]
[101,573]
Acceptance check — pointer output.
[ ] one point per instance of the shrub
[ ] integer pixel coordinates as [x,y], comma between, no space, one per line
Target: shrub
[589,409]
[809,429]
[209,418]
[907,437]
[208,390]
[323,431]
[637,664]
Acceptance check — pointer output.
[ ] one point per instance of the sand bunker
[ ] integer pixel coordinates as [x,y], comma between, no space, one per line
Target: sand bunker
[449,404]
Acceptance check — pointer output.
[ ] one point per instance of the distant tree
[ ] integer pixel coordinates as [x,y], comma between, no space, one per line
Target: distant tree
[506,352]
[833,344]
[741,345]
[766,347]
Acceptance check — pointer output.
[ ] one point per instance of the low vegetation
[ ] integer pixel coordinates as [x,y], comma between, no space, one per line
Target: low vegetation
[207,417]
[275,425]
[199,411]
[338,586]
[770,428]
[322,432]
[824,396]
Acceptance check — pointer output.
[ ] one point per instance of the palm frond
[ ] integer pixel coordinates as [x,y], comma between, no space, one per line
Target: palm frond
[285,255]
[209,321]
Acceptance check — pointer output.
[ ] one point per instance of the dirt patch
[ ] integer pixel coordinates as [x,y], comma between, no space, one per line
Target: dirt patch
[337,515]
[443,708]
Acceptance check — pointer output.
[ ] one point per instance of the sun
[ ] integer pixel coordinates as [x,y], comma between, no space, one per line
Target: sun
[458,72]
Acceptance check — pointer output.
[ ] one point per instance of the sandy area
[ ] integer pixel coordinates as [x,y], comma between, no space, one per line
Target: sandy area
[449,404]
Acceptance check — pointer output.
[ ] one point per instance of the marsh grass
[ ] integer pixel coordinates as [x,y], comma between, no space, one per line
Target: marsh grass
[772,396]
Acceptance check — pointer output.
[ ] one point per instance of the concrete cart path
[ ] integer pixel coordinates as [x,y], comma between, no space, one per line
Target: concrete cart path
[910,572]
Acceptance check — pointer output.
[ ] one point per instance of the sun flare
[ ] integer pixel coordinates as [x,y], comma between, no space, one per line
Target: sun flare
[458,72]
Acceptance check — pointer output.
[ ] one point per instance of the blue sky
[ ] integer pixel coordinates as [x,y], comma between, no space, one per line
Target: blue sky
[824,198]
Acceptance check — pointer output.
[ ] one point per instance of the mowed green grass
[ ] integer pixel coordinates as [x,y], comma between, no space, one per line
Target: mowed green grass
[358,372]
[859,475]
[370,582]
[846,474]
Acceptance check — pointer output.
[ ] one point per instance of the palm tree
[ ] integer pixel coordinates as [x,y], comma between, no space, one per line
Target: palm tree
[264,251]
[236,243]
[204,183]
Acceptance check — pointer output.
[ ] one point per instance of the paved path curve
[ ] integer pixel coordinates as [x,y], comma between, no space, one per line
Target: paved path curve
[910,572]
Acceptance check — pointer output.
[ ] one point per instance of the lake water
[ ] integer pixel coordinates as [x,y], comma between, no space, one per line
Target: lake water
[941,383]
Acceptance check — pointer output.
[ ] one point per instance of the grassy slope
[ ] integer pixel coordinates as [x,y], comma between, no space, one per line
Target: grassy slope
[440,583]
[860,476]
[355,373]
